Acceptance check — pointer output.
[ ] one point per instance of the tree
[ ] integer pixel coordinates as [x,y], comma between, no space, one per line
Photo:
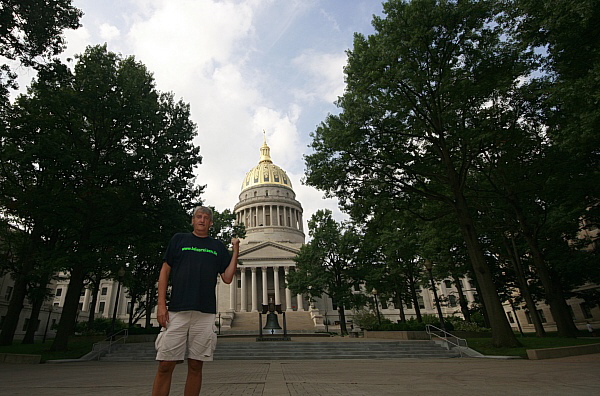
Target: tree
[93,152]
[423,99]
[31,29]
[224,227]
[327,264]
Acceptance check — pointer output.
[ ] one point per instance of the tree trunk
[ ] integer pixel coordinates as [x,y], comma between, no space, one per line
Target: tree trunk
[66,325]
[415,298]
[502,333]
[40,294]
[524,287]
[92,308]
[342,315]
[464,304]
[550,281]
[401,307]
[134,297]
[33,324]
[15,305]
[149,306]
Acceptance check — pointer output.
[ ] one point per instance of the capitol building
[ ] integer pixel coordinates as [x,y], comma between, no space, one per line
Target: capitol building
[273,219]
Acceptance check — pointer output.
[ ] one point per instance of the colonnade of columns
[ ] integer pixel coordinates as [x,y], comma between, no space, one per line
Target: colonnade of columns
[286,305]
[271,215]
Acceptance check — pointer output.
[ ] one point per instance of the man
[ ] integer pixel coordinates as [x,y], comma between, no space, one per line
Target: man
[193,260]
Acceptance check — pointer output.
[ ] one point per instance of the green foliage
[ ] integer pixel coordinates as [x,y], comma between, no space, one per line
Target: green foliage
[79,141]
[225,228]
[410,325]
[101,326]
[459,324]
[31,31]
[428,94]
[144,330]
[365,319]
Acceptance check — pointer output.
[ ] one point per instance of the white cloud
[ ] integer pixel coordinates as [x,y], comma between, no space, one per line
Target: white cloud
[243,66]
[77,41]
[109,32]
[324,73]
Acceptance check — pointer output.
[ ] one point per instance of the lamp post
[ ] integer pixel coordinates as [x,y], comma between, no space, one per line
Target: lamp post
[121,274]
[429,266]
[374,293]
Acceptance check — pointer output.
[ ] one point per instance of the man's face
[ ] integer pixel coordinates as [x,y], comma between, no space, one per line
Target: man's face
[201,222]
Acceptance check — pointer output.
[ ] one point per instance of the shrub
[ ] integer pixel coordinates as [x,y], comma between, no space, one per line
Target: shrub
[100,326]
[368,320]
[460,324]
[144,330]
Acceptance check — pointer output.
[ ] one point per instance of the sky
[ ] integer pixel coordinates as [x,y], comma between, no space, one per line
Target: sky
[244,66]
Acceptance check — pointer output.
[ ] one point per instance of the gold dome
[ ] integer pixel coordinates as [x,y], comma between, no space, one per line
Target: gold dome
[266,172]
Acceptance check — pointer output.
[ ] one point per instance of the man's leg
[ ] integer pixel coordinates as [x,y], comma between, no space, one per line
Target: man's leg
[162,381]
[193,382]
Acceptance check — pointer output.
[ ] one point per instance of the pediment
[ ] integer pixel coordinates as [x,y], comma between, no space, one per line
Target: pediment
[268,250]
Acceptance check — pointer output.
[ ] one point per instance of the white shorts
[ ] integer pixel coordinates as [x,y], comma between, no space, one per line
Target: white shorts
[190,332]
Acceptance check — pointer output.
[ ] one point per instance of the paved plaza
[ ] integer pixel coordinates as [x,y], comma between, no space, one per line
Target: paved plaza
[578,375]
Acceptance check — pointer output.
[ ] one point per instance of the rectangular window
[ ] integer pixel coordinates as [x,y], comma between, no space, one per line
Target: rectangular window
[128,307]
[80,306]
[58,292]
[239,283]
[421,302]
[542,316]
[452,300]
[511,319]
[104,291]
[101,307]
[82,292]
[448,284]
[8,294]
[528,317]
[586,309]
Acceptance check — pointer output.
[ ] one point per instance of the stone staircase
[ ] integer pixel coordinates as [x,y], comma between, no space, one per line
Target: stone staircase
[250,349]
[247,322]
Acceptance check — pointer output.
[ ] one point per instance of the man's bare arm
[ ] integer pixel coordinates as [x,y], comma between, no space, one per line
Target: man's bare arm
[162,315]
[227,276]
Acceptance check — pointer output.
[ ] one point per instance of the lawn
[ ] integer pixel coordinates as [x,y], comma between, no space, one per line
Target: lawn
[78,346]
[484,345]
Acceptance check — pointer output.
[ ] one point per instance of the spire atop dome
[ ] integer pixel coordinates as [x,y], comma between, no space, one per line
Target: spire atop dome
[265,151]
[266,172]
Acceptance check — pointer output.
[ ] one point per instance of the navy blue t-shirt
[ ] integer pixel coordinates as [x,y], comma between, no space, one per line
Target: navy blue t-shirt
[195,264]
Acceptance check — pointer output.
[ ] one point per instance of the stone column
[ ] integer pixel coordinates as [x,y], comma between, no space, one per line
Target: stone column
[244,292]
[265,296]
[232,293]
[86,300]
[264,216]
[254,296]
[276,285]
[288,292]
[300,302]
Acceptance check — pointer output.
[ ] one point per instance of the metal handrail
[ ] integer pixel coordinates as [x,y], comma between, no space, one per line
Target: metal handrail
[112,339]
[444,335]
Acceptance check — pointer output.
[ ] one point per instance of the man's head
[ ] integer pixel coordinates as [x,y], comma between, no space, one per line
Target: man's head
[202,220]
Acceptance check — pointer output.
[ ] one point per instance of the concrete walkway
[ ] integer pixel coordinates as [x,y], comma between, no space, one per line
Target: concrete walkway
[578,375]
